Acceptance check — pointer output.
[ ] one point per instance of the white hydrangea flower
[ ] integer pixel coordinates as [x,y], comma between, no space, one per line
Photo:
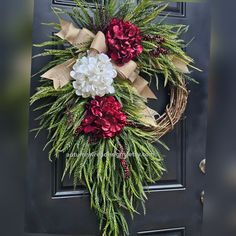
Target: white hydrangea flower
[93,76]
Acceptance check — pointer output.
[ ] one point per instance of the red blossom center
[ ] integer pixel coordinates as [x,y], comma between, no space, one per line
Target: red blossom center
[104,118]
[123,40]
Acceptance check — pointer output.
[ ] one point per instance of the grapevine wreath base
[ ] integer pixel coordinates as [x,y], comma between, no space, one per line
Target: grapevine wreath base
[173,111]
[94,103]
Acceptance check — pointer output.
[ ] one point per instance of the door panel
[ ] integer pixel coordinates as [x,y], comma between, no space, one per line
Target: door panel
[173,206]
[175,161]
[174,8]
[164,232]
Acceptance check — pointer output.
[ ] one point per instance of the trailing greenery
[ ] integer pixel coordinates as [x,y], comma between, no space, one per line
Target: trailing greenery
[97,164]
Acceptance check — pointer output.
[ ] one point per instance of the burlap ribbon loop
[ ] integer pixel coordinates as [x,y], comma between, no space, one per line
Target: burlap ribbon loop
[127,70]
[179,64]
[73,35]
[60,74]
[99,43]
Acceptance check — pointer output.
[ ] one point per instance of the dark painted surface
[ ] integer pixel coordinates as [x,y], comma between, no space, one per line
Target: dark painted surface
[174,206]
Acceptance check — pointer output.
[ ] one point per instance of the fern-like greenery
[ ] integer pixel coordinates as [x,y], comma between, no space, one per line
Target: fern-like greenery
[96,163]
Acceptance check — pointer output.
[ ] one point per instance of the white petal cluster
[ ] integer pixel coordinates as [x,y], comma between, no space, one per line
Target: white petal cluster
[93,76]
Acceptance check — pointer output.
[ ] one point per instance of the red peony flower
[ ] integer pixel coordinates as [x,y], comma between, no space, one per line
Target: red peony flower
[123,40]
[104,118]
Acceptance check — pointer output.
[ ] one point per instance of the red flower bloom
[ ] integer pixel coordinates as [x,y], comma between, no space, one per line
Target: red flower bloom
[123,40]
[104,118]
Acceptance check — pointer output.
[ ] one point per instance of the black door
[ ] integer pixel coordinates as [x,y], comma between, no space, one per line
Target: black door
[174,207]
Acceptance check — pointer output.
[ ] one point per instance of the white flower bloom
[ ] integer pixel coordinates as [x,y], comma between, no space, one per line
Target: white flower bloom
[93,76]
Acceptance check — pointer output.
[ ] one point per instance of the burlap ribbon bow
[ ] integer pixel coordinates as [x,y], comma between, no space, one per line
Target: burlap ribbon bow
[60,74]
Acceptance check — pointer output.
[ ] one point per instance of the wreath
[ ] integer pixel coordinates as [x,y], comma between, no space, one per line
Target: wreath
[94,100]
